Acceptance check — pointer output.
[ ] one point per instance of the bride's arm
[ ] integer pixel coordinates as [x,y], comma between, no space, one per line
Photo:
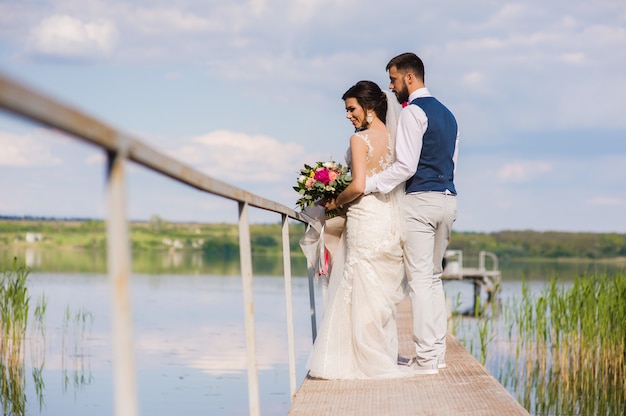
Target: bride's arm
[358,149]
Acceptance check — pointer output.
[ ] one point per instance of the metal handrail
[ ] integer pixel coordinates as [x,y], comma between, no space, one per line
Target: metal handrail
[482,263]
[120,147]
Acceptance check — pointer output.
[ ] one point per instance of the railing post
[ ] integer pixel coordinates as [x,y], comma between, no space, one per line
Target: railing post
[119,261]
[245,257]
[291,345]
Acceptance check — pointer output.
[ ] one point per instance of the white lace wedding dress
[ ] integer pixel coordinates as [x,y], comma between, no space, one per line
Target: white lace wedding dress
[358,337]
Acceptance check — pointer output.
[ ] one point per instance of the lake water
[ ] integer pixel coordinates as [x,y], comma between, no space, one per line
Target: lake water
[189,336]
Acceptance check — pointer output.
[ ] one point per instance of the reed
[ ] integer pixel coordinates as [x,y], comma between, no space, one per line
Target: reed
[476,329]
[453,311]
[570,346]
[76,370]
[485,327]
[38,348]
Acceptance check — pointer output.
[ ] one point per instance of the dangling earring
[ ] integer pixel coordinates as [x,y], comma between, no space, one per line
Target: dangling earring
[370,117]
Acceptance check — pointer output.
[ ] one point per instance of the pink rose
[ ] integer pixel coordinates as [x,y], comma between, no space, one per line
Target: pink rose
[332,175]
[309,183]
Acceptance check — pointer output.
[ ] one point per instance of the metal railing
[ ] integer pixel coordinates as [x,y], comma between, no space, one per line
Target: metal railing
[121,148]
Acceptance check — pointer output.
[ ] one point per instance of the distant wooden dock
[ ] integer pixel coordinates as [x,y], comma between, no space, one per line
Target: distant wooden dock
[465,387]
[482,277]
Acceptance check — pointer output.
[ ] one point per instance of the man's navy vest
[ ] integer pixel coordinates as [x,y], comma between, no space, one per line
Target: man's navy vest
[435,170]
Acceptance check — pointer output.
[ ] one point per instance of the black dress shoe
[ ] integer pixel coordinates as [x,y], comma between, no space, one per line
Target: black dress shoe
[405,361]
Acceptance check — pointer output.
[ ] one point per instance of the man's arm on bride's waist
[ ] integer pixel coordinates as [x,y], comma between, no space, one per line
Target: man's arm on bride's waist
[408,148]
[385,181]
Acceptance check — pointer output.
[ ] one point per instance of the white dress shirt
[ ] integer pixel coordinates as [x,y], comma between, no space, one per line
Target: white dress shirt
[412,125]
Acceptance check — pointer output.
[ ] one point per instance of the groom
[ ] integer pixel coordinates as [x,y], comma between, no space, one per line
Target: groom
[426,153]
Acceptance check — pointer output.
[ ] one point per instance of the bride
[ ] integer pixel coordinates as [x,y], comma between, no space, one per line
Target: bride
[358,337]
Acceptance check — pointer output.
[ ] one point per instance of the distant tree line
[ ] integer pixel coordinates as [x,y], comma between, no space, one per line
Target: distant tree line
[550,244]
[505,244]
[222,241]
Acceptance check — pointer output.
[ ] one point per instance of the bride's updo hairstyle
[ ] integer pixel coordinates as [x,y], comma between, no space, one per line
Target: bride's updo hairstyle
[370,97]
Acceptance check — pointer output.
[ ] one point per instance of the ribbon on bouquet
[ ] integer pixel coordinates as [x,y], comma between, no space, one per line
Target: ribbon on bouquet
[333,228]
[321,239]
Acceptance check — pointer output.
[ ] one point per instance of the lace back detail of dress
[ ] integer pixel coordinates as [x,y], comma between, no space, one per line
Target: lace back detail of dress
[384,160]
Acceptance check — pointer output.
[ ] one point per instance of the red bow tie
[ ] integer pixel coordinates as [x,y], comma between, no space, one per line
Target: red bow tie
[404,104]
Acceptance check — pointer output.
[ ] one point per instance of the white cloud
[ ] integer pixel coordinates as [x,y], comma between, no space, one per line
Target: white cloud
[538,55]
[223,354]
[157,20]
[173,75]
[523,171]
[573,58]
[607,201]
[24,151]
[68,37]
[507,15]
[474,79]
[96,159]
[232,156]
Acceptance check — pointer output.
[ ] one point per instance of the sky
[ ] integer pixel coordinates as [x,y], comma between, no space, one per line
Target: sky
[249,91]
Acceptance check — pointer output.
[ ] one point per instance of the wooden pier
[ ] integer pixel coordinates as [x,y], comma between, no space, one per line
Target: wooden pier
[465,387]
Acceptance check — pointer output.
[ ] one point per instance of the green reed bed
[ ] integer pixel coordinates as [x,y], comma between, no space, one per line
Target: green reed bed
[570,344]
[560,349]
[13,322]
[14,309]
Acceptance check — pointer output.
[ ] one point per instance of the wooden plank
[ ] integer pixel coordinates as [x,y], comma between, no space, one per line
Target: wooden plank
[465,387]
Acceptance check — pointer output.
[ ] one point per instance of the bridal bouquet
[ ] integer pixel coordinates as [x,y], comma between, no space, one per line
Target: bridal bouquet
[323,181]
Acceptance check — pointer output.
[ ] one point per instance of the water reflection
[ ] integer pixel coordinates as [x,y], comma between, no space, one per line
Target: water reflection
[75,357]
[32,257]
[189,337]
[189,341]
[40,259]
[38,348]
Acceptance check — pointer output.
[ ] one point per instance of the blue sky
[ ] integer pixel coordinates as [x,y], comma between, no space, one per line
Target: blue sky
[248,91]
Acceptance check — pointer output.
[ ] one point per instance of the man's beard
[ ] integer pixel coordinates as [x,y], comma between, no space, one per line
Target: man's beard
[402,94]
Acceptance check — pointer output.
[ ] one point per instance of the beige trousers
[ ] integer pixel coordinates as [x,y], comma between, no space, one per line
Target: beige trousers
[429,219]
